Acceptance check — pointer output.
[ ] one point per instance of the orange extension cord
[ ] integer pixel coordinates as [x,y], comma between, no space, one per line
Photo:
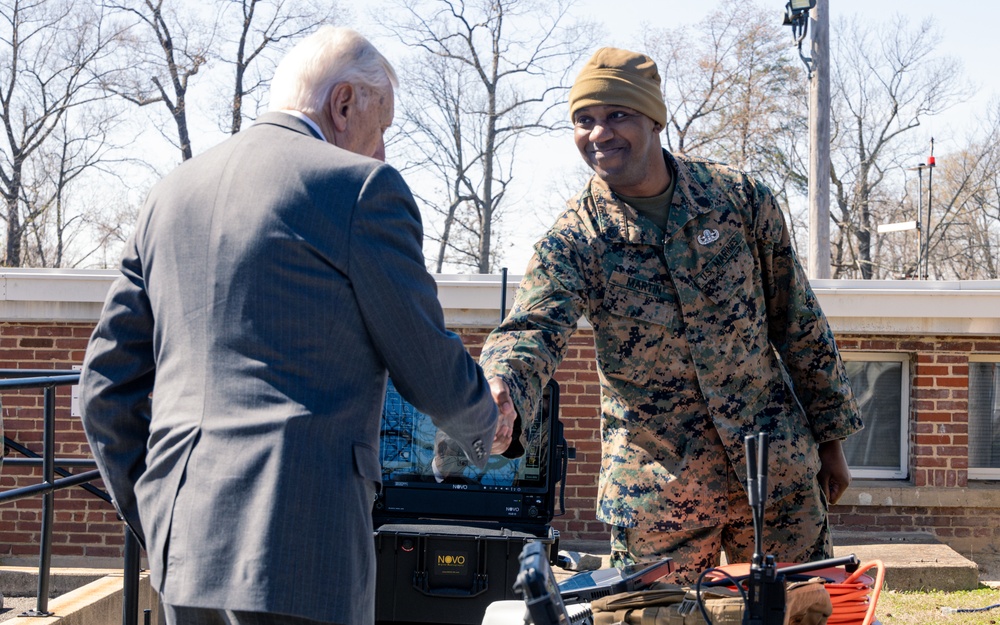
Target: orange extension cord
[853,601]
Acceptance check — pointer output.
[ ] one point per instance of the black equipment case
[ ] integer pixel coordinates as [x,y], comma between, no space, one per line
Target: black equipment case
[446,551]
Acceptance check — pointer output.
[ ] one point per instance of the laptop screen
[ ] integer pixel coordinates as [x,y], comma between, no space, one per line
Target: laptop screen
[508,489]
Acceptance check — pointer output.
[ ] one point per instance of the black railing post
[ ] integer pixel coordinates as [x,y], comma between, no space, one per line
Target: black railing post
[48,501]
[48,380]
[130,589]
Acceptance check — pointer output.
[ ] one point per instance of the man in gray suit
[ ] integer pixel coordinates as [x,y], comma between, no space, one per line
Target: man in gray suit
[232,389]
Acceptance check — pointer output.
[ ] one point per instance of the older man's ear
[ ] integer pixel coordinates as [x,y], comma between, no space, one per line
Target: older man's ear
[342,105]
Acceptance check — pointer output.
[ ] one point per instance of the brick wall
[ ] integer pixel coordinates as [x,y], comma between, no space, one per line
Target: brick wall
[967,515]
[939,403]
[938,498]
[83,524]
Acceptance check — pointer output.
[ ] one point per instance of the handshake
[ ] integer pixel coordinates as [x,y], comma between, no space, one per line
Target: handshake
[450,462]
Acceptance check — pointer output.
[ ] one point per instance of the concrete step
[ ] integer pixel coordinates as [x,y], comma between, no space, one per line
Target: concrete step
[98,602]
[911,561]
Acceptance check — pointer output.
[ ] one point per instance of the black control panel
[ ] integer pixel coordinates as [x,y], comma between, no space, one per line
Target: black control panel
[459,503]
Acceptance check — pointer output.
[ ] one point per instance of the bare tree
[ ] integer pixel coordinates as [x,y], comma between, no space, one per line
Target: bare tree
[57,202]
[696,80]
[885,81]
[486,73]
[964,234]
[730,83]
[54,56]
[169,43]
[735,93]
[254,33]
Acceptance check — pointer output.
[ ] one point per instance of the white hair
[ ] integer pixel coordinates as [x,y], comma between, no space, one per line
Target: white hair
[305,78]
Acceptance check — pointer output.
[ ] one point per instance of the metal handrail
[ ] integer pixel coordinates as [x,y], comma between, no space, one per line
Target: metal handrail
[48,380]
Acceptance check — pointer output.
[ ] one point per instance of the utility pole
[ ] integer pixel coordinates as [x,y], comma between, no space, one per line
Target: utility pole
[819,143]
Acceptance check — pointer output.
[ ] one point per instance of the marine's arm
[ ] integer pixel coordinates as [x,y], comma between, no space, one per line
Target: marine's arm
[801,334]
[523,352]
[799,331]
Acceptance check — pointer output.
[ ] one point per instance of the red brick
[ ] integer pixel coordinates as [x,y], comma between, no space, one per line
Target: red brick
[934,417]
[952,358]
[958,382]
[919,347]
[32,343]
[956,346]
[878,345]
[930,393]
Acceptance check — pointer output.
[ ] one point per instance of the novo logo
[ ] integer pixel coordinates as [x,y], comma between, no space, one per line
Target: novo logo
[451,560]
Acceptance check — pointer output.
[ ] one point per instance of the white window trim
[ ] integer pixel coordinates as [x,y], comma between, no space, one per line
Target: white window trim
[900,473]
[984,474]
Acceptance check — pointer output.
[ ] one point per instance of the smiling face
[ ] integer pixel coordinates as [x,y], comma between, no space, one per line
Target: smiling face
[622,146]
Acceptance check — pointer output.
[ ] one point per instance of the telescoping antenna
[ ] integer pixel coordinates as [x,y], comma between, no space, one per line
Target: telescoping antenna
[503,294]
[765,589]
[766,583]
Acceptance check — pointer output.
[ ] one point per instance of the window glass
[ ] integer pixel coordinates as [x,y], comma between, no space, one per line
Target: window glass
[984,416]
[880,383]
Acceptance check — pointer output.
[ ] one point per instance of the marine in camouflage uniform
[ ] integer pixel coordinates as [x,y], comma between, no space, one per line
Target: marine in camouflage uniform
[706,331]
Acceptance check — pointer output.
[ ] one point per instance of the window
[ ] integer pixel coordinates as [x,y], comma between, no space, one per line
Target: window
[984,416]
[881,382]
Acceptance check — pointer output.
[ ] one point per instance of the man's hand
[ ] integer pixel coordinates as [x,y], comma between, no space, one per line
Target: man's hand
[834,475]
[506,417]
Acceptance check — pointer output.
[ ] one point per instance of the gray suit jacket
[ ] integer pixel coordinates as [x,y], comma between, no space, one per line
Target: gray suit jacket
[232,389]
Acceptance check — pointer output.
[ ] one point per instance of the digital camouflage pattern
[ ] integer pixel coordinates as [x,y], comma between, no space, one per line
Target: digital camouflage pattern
[691,327]
[796,531]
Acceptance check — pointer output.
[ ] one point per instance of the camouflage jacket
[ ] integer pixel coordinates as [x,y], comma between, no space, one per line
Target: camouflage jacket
[711,319]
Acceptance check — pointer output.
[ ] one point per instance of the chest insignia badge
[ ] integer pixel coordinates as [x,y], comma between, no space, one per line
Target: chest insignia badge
[708,236]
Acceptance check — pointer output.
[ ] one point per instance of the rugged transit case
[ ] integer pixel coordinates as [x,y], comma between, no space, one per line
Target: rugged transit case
[446,550]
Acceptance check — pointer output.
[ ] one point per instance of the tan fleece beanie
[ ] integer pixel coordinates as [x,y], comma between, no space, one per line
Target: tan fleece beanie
[619,77]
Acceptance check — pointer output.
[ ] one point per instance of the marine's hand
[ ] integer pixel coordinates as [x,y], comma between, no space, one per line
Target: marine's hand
[834,474]
[506,417]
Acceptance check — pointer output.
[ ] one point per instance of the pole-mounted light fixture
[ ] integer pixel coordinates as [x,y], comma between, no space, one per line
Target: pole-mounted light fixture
[924,238]
[797,16]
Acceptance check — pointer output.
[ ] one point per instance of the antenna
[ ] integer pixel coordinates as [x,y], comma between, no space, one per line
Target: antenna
[766,588]
[766,583]
[503,294]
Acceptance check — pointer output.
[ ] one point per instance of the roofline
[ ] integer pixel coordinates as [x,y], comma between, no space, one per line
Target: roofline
[473,300]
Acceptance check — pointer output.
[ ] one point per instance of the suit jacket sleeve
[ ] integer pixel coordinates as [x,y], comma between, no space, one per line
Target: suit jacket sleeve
[115,387]
[398,299]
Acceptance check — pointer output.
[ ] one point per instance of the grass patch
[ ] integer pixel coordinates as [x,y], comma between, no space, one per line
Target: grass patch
[921,608]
